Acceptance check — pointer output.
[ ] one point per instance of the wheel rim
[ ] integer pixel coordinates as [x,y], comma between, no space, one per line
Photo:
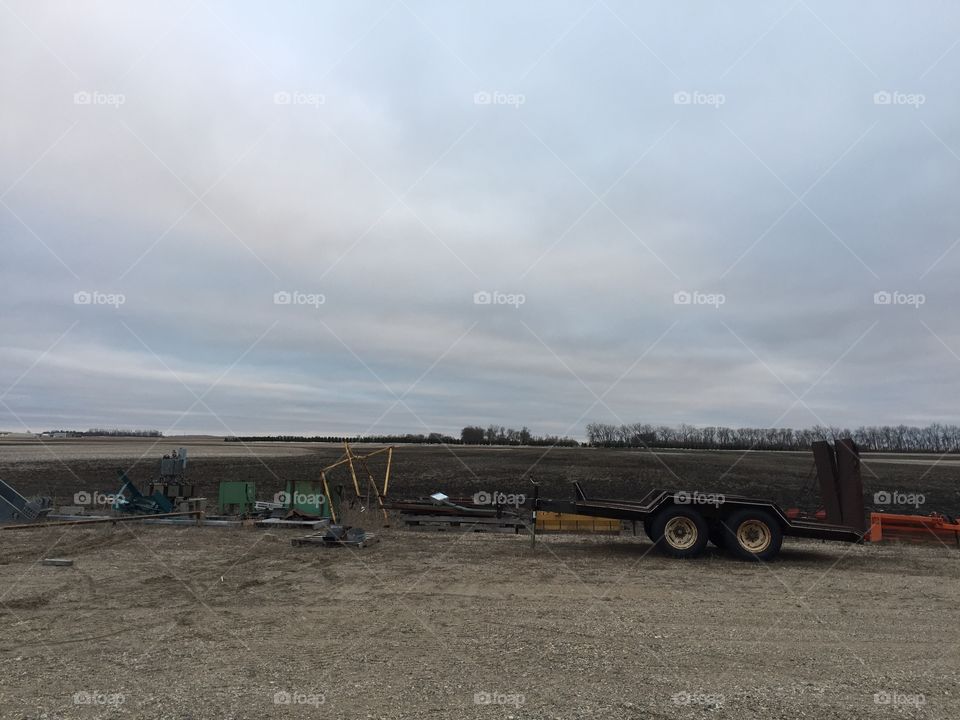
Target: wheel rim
[681,533]
[754,536]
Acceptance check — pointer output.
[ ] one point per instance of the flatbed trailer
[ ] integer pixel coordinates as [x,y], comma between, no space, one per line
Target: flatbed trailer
[682,523]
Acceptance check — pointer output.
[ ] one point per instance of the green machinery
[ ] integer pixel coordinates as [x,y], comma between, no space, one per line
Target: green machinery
[236,497]
[311,498]
[307,498]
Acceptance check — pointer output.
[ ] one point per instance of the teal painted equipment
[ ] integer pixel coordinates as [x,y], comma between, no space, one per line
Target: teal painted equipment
[131,500]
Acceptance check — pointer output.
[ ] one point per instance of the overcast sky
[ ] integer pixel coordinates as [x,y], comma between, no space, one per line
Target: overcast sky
[234,217]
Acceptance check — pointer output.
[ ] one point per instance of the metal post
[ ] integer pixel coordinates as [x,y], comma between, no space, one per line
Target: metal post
[386,476]
[533,521]
[353,472]
[326,490]
[376,490]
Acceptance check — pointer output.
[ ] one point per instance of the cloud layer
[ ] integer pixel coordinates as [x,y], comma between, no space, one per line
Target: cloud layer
[221,218]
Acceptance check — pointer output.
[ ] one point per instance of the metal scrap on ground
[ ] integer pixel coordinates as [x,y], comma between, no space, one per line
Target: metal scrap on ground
[338,536]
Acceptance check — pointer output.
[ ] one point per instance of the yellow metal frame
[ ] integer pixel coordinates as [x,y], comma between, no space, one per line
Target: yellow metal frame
[348,459]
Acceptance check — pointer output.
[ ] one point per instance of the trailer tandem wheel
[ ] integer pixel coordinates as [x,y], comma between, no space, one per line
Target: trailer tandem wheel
[680,532]
[718,535]
[752,534]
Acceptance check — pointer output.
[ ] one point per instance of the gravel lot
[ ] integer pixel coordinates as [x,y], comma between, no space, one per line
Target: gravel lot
[164,622]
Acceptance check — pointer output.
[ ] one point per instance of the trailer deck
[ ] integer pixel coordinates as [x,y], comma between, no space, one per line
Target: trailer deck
[681,523]
[639,510]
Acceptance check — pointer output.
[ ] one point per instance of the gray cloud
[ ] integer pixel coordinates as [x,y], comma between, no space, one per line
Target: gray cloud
[595,159]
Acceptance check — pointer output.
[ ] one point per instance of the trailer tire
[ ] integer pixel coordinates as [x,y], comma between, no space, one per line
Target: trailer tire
[752,535]
[680,532]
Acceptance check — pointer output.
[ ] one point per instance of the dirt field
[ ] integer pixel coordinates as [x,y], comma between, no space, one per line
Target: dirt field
[60,468]
[191,623]
[160,622]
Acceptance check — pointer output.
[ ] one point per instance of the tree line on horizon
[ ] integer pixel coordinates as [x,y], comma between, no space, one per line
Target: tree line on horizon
[470,435]
[429,439]
[500,435]
[934,438]
[104,432]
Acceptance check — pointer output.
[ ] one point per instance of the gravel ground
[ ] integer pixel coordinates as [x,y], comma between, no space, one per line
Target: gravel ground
[162,622]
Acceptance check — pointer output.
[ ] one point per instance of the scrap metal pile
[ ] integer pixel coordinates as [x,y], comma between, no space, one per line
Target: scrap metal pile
[440,512]
[170,498]
[14,506]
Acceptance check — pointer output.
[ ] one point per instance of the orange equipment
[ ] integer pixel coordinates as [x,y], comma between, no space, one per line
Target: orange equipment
[888,526]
